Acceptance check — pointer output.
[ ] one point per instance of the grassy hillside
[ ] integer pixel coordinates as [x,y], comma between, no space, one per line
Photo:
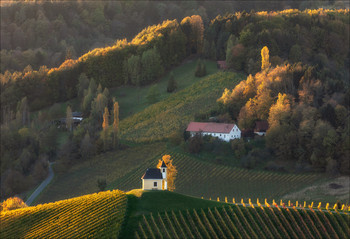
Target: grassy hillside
[203,179]
[133,100]
[160,120]
[94,216]
[82,178]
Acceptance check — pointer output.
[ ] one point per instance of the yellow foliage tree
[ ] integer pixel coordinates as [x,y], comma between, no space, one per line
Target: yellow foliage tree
[265,55]
[278,110]
[171,171]
[12,203]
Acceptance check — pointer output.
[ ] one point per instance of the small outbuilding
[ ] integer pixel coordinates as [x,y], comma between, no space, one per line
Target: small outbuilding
[261,127]
[155,178]
[222,65]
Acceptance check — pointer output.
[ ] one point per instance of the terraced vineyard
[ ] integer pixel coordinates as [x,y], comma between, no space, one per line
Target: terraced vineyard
[95,215]
[203,179]
[245,222]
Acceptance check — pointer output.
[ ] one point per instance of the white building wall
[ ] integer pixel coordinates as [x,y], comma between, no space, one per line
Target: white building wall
[148,184]
[235,133]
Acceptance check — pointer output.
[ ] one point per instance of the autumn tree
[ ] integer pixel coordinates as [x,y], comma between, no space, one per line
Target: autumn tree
[12,203]
[97,107]
[115,124]
[279,110]
[171,171]
[105,126]
[193,28]
[69,118]
[265,62]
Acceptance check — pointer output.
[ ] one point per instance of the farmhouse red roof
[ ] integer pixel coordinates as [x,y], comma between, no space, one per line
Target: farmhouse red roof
[209,127]
[261,126]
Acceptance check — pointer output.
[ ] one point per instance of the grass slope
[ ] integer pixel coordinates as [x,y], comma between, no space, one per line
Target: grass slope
[133,100]
[151,202]
[82,178]
[94,216]
[160,120]
[204,179]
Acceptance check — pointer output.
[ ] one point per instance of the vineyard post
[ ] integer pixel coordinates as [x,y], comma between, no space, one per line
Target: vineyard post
[288,203]
[296,204]
[218,199]
[233,200]
[319,205]
[281,203]
[327,205]
[304,203]
[225,199]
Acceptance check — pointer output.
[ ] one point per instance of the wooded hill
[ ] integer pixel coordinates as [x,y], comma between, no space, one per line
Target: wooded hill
[317,37]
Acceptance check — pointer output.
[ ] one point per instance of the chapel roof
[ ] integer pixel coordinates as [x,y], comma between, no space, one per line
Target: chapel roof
[152,173]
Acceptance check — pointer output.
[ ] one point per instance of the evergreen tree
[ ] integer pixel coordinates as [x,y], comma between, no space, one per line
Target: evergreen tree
[229,55]
[200,69]
[115,124]
[172,85]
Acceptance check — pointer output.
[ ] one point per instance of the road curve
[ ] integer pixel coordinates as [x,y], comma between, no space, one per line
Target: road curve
[41,186]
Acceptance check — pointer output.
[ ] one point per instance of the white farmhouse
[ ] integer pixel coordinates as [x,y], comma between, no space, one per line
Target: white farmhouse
[155,178]
[225,132]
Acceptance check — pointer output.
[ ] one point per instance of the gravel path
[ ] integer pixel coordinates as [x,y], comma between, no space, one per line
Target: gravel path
[41,186]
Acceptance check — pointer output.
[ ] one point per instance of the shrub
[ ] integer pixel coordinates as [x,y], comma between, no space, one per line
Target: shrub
[172,85]
[12,203]
[201,70]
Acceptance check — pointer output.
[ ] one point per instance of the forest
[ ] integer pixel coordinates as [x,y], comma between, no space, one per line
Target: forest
[302,89]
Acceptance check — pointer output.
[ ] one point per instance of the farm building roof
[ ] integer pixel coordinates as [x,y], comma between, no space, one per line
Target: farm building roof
[222,64]
[261,126]
[209,127]
[152,173]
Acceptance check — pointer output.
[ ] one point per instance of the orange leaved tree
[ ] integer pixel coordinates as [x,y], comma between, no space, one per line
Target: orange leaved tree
[171,171]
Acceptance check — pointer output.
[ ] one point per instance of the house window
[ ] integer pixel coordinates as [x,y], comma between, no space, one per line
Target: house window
[155,184]
[220,134]
[163,170]
[224,136]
